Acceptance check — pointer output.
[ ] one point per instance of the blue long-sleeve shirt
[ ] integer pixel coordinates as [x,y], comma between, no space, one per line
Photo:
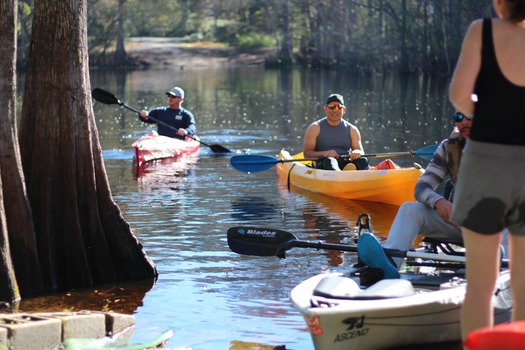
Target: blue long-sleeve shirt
[170,120]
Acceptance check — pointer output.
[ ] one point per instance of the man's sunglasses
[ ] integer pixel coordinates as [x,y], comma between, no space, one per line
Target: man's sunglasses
[334,106]
[458,117]
[172,96]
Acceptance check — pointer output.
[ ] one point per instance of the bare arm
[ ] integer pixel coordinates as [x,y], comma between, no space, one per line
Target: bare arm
[357,145]
[467,69]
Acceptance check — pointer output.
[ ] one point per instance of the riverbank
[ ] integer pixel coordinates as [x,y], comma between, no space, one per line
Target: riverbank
[149,52]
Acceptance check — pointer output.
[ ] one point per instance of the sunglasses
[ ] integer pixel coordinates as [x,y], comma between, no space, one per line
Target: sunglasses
[171,96]
[458,117]
[336,107]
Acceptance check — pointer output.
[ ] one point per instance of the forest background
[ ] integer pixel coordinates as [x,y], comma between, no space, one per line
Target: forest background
[411,36]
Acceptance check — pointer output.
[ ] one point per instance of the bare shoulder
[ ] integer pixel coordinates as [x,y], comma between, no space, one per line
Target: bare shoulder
[352,126]
[474,31]
[314,125]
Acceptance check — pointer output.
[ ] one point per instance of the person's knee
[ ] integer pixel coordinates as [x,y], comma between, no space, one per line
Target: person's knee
[362,163]
[329,163]
[411,209]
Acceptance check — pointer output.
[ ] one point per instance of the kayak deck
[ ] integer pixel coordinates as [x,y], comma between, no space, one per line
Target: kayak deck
[152,147]
[390,315]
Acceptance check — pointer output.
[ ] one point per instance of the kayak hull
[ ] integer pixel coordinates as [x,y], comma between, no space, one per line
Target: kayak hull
[428,316]
[153,147]
[392,186]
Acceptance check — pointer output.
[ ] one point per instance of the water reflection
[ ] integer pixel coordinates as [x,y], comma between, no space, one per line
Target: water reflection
[169,173]
[125,297]
[335,220]
[211,297]
[248,208]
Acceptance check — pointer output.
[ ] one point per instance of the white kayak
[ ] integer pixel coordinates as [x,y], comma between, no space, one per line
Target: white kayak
[415,309]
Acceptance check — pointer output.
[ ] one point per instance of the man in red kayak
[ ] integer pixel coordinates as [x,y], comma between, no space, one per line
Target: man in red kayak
[430,215]
[173,120]
[332,137]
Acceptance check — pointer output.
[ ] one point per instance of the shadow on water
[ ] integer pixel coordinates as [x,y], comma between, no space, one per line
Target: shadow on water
[125,297]
[246,209]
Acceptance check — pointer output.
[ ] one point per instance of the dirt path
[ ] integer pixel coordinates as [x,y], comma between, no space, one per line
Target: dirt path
[176,52]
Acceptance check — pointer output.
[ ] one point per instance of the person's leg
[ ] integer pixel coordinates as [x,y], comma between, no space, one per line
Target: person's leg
[362,163]
[328,164]
[414,218]
[482,268]
[517,282]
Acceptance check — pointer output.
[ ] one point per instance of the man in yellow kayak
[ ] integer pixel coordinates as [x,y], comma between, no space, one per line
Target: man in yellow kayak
[333,137]
[430,215]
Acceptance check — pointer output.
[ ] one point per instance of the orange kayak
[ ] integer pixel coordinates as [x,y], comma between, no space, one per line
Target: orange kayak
[392,186]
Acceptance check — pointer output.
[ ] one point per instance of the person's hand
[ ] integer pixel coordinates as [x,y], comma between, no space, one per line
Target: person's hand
[444,209]
[181,132]
[144,115]
[355,154]
[331,153]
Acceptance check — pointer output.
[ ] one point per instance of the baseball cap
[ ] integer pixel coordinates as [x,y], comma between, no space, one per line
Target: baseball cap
[335,98]
[176,91]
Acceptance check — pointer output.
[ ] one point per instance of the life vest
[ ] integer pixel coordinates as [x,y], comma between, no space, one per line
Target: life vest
[454,150]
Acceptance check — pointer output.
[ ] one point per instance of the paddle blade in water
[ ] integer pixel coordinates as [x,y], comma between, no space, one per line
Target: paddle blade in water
[252,163]
[219,149]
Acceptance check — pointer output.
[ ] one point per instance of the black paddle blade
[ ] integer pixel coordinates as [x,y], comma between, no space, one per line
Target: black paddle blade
[105,97]
[219,149]
[259,242]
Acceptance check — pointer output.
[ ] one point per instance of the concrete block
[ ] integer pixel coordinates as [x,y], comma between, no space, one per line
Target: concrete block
[3,337]
[28,332]
[120,326]
[116,323]
[83,324]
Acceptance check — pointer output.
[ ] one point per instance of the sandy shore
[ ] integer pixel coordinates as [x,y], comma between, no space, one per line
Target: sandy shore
[176,52]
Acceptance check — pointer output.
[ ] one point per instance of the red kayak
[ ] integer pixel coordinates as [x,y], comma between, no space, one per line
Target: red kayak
[152,147]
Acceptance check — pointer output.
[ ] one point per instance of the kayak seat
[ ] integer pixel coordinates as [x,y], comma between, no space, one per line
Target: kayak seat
[387,289]
[434,246]
[336,286]
[340,287]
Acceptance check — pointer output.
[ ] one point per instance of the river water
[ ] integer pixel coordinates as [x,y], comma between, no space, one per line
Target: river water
[209,296]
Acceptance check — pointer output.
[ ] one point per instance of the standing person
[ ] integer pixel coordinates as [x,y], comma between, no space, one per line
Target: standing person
[173,120]
[490,193]
[333,137]
[430,215]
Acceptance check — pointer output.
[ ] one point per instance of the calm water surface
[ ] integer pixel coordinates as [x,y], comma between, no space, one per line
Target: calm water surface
[209,296]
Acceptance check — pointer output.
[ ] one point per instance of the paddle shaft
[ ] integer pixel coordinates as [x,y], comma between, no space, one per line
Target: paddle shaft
[161,122]
[395,253]
[108,98]
[258,162]
[372,155]
[273,242]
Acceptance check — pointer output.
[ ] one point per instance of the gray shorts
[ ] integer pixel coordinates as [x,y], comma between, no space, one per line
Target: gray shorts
[490,191]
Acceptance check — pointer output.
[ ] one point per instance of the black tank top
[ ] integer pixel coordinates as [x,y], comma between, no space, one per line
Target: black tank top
[499,115]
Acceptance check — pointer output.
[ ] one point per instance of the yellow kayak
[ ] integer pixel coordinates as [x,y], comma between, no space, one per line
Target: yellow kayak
[392,186]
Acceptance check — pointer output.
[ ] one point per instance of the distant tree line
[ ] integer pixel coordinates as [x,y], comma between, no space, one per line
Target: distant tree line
[363,35]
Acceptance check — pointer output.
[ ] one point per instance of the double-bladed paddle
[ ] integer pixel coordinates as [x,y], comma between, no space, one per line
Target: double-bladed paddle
[272,242]
[110,99]
[252,163]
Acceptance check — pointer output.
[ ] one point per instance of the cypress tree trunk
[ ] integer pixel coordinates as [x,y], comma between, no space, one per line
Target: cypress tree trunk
[82,237]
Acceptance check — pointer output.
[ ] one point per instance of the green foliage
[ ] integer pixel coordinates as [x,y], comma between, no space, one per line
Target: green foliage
[402,34]
[254,40]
